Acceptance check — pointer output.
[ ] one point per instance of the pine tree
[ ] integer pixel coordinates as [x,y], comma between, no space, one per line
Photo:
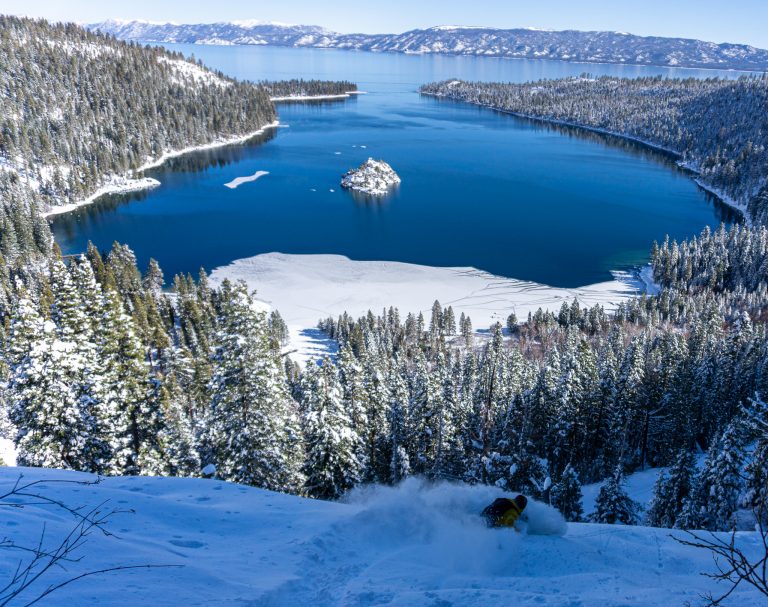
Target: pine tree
[756,494]
[252,423]
[46,409]
[671,491]
[153,278]
[400,462]
[129,416]
[613,505]
[332,465]
[566,496]
[715,496]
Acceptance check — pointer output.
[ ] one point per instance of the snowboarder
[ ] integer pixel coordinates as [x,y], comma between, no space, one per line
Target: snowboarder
[505,512]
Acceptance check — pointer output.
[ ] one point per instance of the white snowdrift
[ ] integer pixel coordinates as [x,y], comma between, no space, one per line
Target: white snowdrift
[306,288]
[414,545]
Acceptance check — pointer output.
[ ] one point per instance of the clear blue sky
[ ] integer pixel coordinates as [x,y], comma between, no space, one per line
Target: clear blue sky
[742,21]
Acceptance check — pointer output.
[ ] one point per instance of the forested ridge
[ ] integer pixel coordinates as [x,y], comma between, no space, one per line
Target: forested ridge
[719,127]
[78,107]
[102,370]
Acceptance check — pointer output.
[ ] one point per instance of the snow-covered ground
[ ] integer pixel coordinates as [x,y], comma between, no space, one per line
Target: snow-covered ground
[185,71]
[413,545]
[306,288]
[237,181]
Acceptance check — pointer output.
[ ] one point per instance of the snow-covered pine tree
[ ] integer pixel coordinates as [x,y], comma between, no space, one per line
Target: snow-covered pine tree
[671,491]
[252,423]
[332,466]
[613,505]
[756,494]
[355,399]
[449,321]
[129,417]
[46,408]
[425,417]
[565,495]
[715,496]
[400,461]
[153,280]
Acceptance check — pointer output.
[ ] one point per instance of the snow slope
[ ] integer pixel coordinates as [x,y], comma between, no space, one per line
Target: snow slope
[306,288]
[413,545]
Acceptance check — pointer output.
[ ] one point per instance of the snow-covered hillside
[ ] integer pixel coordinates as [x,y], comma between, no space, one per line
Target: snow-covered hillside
[413,545]
[569,45]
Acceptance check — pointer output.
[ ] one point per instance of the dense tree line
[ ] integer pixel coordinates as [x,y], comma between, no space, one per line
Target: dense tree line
[719,127]
[298,87]
[105,372]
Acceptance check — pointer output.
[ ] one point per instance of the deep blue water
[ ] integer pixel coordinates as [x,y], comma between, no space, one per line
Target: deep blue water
[479,188]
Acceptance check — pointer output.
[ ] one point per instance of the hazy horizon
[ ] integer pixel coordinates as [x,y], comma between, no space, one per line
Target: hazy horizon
[739,23]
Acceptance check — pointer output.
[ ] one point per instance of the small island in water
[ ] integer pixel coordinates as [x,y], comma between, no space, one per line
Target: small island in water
[373,177]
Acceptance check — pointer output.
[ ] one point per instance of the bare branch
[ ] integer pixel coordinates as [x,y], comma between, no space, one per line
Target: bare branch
[732,564]
[42,560]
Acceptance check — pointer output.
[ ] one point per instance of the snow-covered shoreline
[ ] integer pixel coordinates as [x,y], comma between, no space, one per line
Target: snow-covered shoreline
[208,146]
[121,184]
[300,98]
[698,179]
[117,185]
[306,288]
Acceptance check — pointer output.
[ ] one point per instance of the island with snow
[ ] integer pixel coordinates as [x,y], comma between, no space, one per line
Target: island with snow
[373,177]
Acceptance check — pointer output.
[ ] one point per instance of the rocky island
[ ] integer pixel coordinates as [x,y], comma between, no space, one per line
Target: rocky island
[373,177]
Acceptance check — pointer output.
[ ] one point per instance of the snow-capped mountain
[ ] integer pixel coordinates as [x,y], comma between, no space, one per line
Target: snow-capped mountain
[236,32]
[530,43]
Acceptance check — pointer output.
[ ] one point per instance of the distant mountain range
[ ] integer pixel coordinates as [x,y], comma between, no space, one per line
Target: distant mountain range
[569,45]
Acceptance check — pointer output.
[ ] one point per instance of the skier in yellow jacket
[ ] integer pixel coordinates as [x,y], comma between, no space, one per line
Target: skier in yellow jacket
[505,512]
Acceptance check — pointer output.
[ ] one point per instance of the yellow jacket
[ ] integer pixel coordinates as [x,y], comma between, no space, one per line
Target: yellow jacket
[509,518]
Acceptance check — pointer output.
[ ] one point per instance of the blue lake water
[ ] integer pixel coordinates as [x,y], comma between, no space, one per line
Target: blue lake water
[479,188]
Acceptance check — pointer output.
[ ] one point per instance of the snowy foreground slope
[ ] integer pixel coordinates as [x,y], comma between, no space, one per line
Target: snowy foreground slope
[415,544]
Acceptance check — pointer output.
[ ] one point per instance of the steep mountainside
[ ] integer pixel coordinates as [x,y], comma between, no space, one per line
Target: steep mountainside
[569,45]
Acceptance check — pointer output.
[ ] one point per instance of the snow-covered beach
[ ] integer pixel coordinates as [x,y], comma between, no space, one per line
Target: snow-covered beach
[306,288]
